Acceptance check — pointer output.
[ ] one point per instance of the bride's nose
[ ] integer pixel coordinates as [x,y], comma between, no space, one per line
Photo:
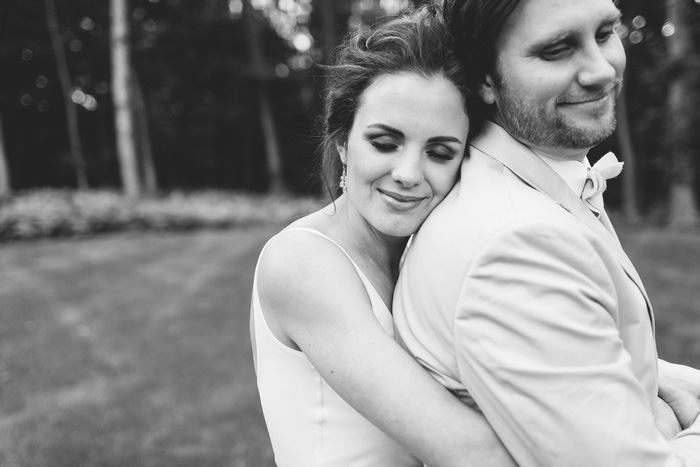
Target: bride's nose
[408,170]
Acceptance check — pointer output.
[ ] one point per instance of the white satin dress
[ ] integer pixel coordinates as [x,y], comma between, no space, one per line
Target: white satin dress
[309,424]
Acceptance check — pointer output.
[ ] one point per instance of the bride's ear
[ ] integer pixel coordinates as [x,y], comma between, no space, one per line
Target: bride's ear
[487,92]
[342,153]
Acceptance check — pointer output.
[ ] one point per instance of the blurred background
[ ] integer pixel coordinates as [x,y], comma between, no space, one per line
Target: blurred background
[187,130]
[157,95]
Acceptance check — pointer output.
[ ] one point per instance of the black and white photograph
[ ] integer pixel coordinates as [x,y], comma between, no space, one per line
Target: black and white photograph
[349,233]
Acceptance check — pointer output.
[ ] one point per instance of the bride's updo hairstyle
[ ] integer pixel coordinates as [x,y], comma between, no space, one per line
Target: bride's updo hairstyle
[417,42]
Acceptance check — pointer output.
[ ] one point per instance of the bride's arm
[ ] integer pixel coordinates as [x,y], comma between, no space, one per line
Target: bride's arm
[316,301]
[677,405]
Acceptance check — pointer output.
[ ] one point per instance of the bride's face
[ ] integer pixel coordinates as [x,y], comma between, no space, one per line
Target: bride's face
[404,150]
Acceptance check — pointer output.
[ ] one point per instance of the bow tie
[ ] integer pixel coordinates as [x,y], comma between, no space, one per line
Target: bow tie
[607,167]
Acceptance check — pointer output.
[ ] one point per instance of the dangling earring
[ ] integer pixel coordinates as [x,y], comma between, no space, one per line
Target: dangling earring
[344,181]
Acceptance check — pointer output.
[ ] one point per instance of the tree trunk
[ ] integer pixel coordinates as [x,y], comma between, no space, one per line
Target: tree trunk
[121,78]
[76,148]
[147,169]
[683,209]
[5,188]
[630,202]
[267,122]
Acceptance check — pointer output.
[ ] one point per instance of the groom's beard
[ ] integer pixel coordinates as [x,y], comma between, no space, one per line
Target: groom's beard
[543,126]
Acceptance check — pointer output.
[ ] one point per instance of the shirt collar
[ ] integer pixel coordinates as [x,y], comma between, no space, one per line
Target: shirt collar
[573,172]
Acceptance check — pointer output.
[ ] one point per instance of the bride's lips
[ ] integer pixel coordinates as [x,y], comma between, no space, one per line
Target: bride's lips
[400,202]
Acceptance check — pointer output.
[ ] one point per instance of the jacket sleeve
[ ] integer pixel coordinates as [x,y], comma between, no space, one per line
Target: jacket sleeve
[538,347]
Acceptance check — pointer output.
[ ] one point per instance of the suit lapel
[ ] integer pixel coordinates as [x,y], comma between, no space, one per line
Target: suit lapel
[496,143]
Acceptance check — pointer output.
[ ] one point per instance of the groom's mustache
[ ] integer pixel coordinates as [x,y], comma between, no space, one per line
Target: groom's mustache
[613,88]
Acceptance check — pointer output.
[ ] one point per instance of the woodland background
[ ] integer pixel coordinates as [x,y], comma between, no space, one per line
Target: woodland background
[152,96]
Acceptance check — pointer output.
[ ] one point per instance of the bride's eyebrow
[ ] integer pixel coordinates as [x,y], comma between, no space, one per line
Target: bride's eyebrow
[387,128]
[444,139]
[400,134]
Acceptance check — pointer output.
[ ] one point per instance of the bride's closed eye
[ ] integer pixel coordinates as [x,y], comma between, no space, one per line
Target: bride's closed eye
[441,154]
[383,144]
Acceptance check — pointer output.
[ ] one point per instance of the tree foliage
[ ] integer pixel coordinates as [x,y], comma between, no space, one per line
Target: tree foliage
[651,70]
[192,60]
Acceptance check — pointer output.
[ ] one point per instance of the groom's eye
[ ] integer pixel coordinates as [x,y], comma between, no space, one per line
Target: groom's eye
[555,53]
[604,35]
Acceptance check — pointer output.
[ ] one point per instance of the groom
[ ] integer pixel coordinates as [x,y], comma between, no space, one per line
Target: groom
[516,294]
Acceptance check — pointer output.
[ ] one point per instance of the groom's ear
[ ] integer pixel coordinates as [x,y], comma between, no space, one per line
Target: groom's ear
[487,92]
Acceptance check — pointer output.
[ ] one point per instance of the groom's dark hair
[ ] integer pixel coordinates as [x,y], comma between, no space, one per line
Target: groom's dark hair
[476,26]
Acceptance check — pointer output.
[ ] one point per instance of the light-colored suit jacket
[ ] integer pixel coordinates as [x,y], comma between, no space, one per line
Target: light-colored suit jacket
[514,294]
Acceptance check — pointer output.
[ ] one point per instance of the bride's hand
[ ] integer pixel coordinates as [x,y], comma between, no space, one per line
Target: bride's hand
[666,420]
[684,404]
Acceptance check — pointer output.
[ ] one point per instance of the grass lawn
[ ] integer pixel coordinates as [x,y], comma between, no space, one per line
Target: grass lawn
[669,264]
[133,349]
[130,350]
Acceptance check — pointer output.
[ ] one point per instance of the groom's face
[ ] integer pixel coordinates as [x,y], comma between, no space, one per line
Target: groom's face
[559,66]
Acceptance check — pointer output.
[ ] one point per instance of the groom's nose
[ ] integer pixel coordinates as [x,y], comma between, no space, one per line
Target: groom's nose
[598,66]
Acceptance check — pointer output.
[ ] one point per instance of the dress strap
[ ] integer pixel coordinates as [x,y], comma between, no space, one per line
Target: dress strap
[322,235]
[312,231]
[375,298]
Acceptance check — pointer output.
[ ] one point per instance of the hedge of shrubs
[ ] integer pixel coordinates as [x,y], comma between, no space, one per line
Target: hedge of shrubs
[66,213]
